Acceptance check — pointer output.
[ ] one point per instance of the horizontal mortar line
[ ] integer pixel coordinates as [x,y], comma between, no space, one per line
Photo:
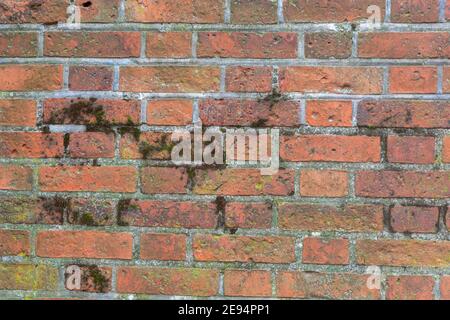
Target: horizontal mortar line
[214,95]
[216,62]
[285,27]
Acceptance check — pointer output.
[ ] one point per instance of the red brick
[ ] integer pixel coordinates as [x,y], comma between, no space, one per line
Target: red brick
[92,44]
[249,79]
[446,149]
[30,11]
[404,114]
[414,219]
[164,180]
[315,285]
[404,45]
[413,80]
[325,251]
[243,283]
[30,210]
[18,44]
[18,113]
[91,145]
[168,281]
[445,288]
[31,77]
[151,145]
[403,149]
[83,78]
[415,11]
[96,11]
[163,246]
[316,217]
[248,215]
[323,183]
[31,145]
[14,243]
[329,113]
[325,45]
[169,112]
[330,148]
[447,10]
[249,113]
[414,253]
[410,288]
[168,214]
[446,79]
[94,179]
[90,212]
[244,249]
[93,279]
[169,79]
[270,45]
[91,111]
[166,11]
[169,45]
[350,80]
[403,184]
[84,244]
[28,277]
[250,182]
[14,177]
[253,12]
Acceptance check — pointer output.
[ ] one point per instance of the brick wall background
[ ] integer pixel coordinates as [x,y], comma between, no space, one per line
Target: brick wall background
[85,173]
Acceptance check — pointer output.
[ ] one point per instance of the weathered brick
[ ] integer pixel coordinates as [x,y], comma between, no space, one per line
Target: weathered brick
[31,77]
[163,246]
[445,288]
[325,251]
[408,149]
[166,11]
[169,112]
[168,281]
[28,277]
[95,179]
[92,44]
[350,80]
[95,11]
[30,210]
[14,243]
[244,283]
[254,12]
[330,148]
[91,145]
[170,79]
[31,145]
[446,79]
[403,184]
[249,113]
[33,11]
[91,212]
[243,249]
[415,11]
[329,113]
[404,45]
[316,217]
[346,286]
[250,182]
[404,114]
[151,145]
[325,45]
[18,44]
[93,279]
[323,183]
[414,219]
[84,244]
[17,113]
[410,288]
[168,214]
[169,45]
[249,79]
[446,150]
[413,79]
[164,180]
[415,253]
[14,177]
[270,45]
[83,78]
[256,215]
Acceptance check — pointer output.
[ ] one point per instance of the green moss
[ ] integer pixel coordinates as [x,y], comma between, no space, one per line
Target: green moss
[101,283]
[148,150]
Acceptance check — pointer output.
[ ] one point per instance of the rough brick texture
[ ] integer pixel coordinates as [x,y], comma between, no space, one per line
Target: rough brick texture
[87,179]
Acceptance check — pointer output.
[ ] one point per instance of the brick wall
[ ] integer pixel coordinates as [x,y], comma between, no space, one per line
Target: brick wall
[86,178]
